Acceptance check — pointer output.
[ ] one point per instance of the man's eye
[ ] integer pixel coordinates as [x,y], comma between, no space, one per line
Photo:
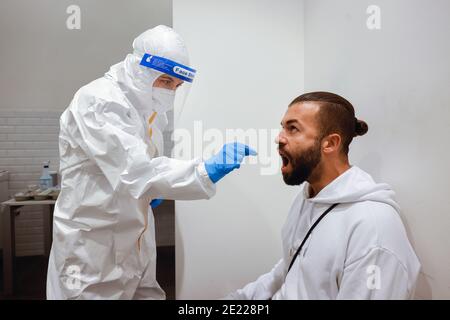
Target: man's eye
[293,129]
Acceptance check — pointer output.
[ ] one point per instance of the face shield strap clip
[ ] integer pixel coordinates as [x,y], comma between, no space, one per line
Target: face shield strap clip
[169,67]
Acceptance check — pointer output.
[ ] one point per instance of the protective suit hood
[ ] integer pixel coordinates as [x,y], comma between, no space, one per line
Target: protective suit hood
[136,81]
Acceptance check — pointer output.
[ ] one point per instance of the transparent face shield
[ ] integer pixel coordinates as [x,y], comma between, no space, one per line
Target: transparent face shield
[173,69]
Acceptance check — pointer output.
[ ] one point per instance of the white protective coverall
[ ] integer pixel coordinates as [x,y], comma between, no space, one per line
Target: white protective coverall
[103,230]
[359,250]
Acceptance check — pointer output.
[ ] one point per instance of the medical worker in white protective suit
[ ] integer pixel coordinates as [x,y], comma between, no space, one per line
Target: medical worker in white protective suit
[343,238]
[111,147]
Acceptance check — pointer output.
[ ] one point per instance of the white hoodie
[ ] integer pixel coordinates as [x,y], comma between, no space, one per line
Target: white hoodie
[359,250]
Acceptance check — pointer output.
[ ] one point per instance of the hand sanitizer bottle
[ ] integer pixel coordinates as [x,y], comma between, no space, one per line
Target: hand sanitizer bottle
[45,180]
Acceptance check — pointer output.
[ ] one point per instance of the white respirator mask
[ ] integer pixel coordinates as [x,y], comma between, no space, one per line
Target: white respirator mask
[163,100]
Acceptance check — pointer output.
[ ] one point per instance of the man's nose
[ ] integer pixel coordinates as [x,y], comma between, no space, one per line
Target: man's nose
[280,139]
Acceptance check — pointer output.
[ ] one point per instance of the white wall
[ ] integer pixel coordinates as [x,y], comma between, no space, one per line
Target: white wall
[249,57]
[398,79]
[42,63]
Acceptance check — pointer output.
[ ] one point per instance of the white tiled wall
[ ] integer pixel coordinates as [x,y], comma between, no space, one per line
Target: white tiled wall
[27,139]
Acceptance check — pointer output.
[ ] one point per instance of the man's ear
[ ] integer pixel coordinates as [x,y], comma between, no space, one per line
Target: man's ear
[331,143]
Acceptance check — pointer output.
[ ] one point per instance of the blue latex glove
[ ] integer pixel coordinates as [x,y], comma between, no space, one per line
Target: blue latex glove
[155,202]
[228,159]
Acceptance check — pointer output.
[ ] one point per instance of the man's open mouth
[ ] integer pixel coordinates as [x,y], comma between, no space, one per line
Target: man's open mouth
[285,159]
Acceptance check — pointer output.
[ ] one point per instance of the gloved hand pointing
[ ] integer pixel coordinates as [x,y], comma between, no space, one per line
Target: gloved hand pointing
[228,159]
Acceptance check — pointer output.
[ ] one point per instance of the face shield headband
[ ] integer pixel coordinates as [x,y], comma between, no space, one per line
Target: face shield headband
[169,67]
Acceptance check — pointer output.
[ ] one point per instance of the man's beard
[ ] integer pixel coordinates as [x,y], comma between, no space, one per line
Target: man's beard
[303,165]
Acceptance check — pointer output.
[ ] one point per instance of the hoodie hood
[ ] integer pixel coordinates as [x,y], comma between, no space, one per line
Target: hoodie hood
[354,185]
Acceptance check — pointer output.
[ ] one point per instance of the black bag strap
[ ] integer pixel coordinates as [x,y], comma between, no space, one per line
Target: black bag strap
[308,233]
